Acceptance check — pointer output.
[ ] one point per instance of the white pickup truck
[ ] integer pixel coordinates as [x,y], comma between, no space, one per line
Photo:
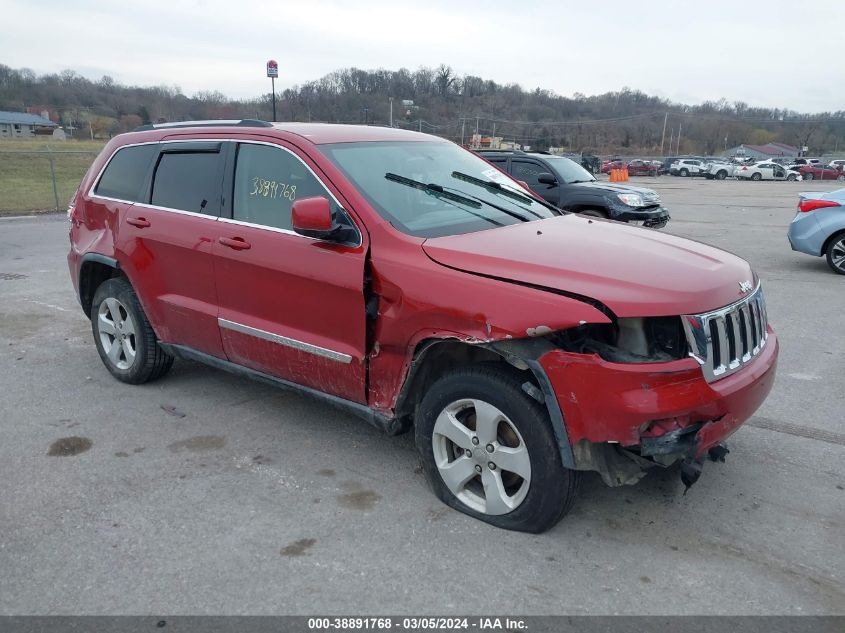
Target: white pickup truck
[719,170]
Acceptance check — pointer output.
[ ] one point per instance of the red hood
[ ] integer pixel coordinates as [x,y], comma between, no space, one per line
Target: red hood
[633,271]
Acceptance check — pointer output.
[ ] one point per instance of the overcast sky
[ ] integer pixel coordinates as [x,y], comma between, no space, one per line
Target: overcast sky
[786,54]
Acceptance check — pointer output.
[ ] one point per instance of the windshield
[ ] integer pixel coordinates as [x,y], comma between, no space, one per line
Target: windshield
[568,170]
[432,189]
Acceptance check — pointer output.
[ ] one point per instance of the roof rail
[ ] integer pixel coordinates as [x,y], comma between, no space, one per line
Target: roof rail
[512,151]
[208,123]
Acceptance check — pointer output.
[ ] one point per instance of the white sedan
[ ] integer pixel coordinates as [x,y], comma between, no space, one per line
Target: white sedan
[766,170]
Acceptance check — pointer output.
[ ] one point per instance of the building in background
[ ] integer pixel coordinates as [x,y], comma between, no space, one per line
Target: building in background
[764,152]
[24,125]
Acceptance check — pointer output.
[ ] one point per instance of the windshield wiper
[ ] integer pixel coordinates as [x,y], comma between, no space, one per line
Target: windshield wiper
[433,189]
[492,185]
[438,191]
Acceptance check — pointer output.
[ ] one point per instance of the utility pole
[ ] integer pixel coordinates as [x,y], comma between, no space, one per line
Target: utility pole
[680,126]
[420,125]
[476,125]
[663,138]
[463,126]
[391,111]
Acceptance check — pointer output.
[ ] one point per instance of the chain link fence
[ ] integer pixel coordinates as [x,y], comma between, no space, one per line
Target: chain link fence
[40,180]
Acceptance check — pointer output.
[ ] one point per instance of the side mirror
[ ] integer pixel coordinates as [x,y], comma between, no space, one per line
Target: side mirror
[313,217]
[546,178]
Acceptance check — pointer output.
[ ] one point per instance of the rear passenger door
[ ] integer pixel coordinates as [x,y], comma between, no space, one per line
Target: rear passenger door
[290,306]
[166,239]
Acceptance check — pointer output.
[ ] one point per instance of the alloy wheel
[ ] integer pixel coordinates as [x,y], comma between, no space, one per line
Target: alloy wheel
[117,333]
[481,456]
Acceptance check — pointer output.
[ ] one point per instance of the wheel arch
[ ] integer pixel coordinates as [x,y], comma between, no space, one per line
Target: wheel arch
[830,239]
[94,270]
[434,355]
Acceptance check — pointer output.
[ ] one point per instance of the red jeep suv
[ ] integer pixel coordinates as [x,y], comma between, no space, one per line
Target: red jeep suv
[411,282]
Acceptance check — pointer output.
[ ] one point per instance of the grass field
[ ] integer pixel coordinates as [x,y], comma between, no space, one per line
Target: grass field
[25,181]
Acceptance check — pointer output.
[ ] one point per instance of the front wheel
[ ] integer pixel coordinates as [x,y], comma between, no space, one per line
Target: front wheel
[124,337]
[684,173]
[756,176]
[488,450]
[721,175]
[594,213]
[792,177]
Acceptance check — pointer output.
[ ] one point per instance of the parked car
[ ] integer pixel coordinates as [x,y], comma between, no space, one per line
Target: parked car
[821,172]
[818,227]
[687,167]
[719,169]
[565,184]
[638,167]
[838,162]
[406,280]
[766,170]
[806,161]
[617,163]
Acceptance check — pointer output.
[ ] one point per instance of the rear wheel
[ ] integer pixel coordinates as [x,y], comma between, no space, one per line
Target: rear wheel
[124,337]
[840,177]
[836,253]
[721,175]
[488,450]
[808,176]
[684,173]
[756,176]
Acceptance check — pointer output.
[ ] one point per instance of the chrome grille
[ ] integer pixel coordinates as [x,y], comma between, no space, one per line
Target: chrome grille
[724,340]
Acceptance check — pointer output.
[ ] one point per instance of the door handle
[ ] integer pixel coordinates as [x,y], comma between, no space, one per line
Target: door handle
[238,243]
[141,223]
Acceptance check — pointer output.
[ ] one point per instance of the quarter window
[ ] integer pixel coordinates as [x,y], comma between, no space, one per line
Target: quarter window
[188,181]
[268,180]
[124,176]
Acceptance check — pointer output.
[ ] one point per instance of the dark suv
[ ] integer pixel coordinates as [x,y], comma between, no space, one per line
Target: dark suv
[569,186]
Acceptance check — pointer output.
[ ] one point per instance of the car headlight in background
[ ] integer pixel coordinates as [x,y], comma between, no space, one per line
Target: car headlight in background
[631,199]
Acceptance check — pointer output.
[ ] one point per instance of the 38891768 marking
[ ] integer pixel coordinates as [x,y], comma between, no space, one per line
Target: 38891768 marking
[272,189]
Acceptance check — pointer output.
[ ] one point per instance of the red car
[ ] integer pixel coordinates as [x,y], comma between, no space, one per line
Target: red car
[635,167]
[408,281]
[821,172]
[639,167]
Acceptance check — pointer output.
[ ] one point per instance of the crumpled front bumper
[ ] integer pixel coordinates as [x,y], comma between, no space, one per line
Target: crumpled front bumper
[635,405]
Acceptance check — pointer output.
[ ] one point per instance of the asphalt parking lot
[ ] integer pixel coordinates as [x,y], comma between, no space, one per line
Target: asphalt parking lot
[206,493]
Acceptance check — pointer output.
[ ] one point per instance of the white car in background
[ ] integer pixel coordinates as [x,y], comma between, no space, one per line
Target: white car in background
[766,170]
[838,163]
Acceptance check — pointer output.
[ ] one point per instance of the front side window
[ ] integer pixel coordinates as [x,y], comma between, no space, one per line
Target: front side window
[268,180]
[528,171]
[188,181]
[435,188]
[125,173]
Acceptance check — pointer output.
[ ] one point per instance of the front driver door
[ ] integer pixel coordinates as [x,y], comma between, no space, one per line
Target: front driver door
[289,306]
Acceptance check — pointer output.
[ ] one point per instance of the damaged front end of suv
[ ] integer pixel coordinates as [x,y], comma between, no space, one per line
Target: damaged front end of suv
[641,392]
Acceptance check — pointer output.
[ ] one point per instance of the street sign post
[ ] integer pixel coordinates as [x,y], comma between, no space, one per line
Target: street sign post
[272,73]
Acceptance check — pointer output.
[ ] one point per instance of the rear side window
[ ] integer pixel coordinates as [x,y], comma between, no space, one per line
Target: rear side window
[125,173]
[188,181]
[268,180]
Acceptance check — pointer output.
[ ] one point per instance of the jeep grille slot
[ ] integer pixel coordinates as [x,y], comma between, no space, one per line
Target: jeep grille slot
[724,340]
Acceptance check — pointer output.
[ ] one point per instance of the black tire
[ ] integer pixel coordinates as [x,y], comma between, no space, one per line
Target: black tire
[721,175]
[792,177]
[840,177]
[684,173]
[594,213]
[836,248]
[150,361]
[808,176]
[757,176]
[552,488]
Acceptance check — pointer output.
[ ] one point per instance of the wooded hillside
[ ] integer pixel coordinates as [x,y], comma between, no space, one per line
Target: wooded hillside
[445,103]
